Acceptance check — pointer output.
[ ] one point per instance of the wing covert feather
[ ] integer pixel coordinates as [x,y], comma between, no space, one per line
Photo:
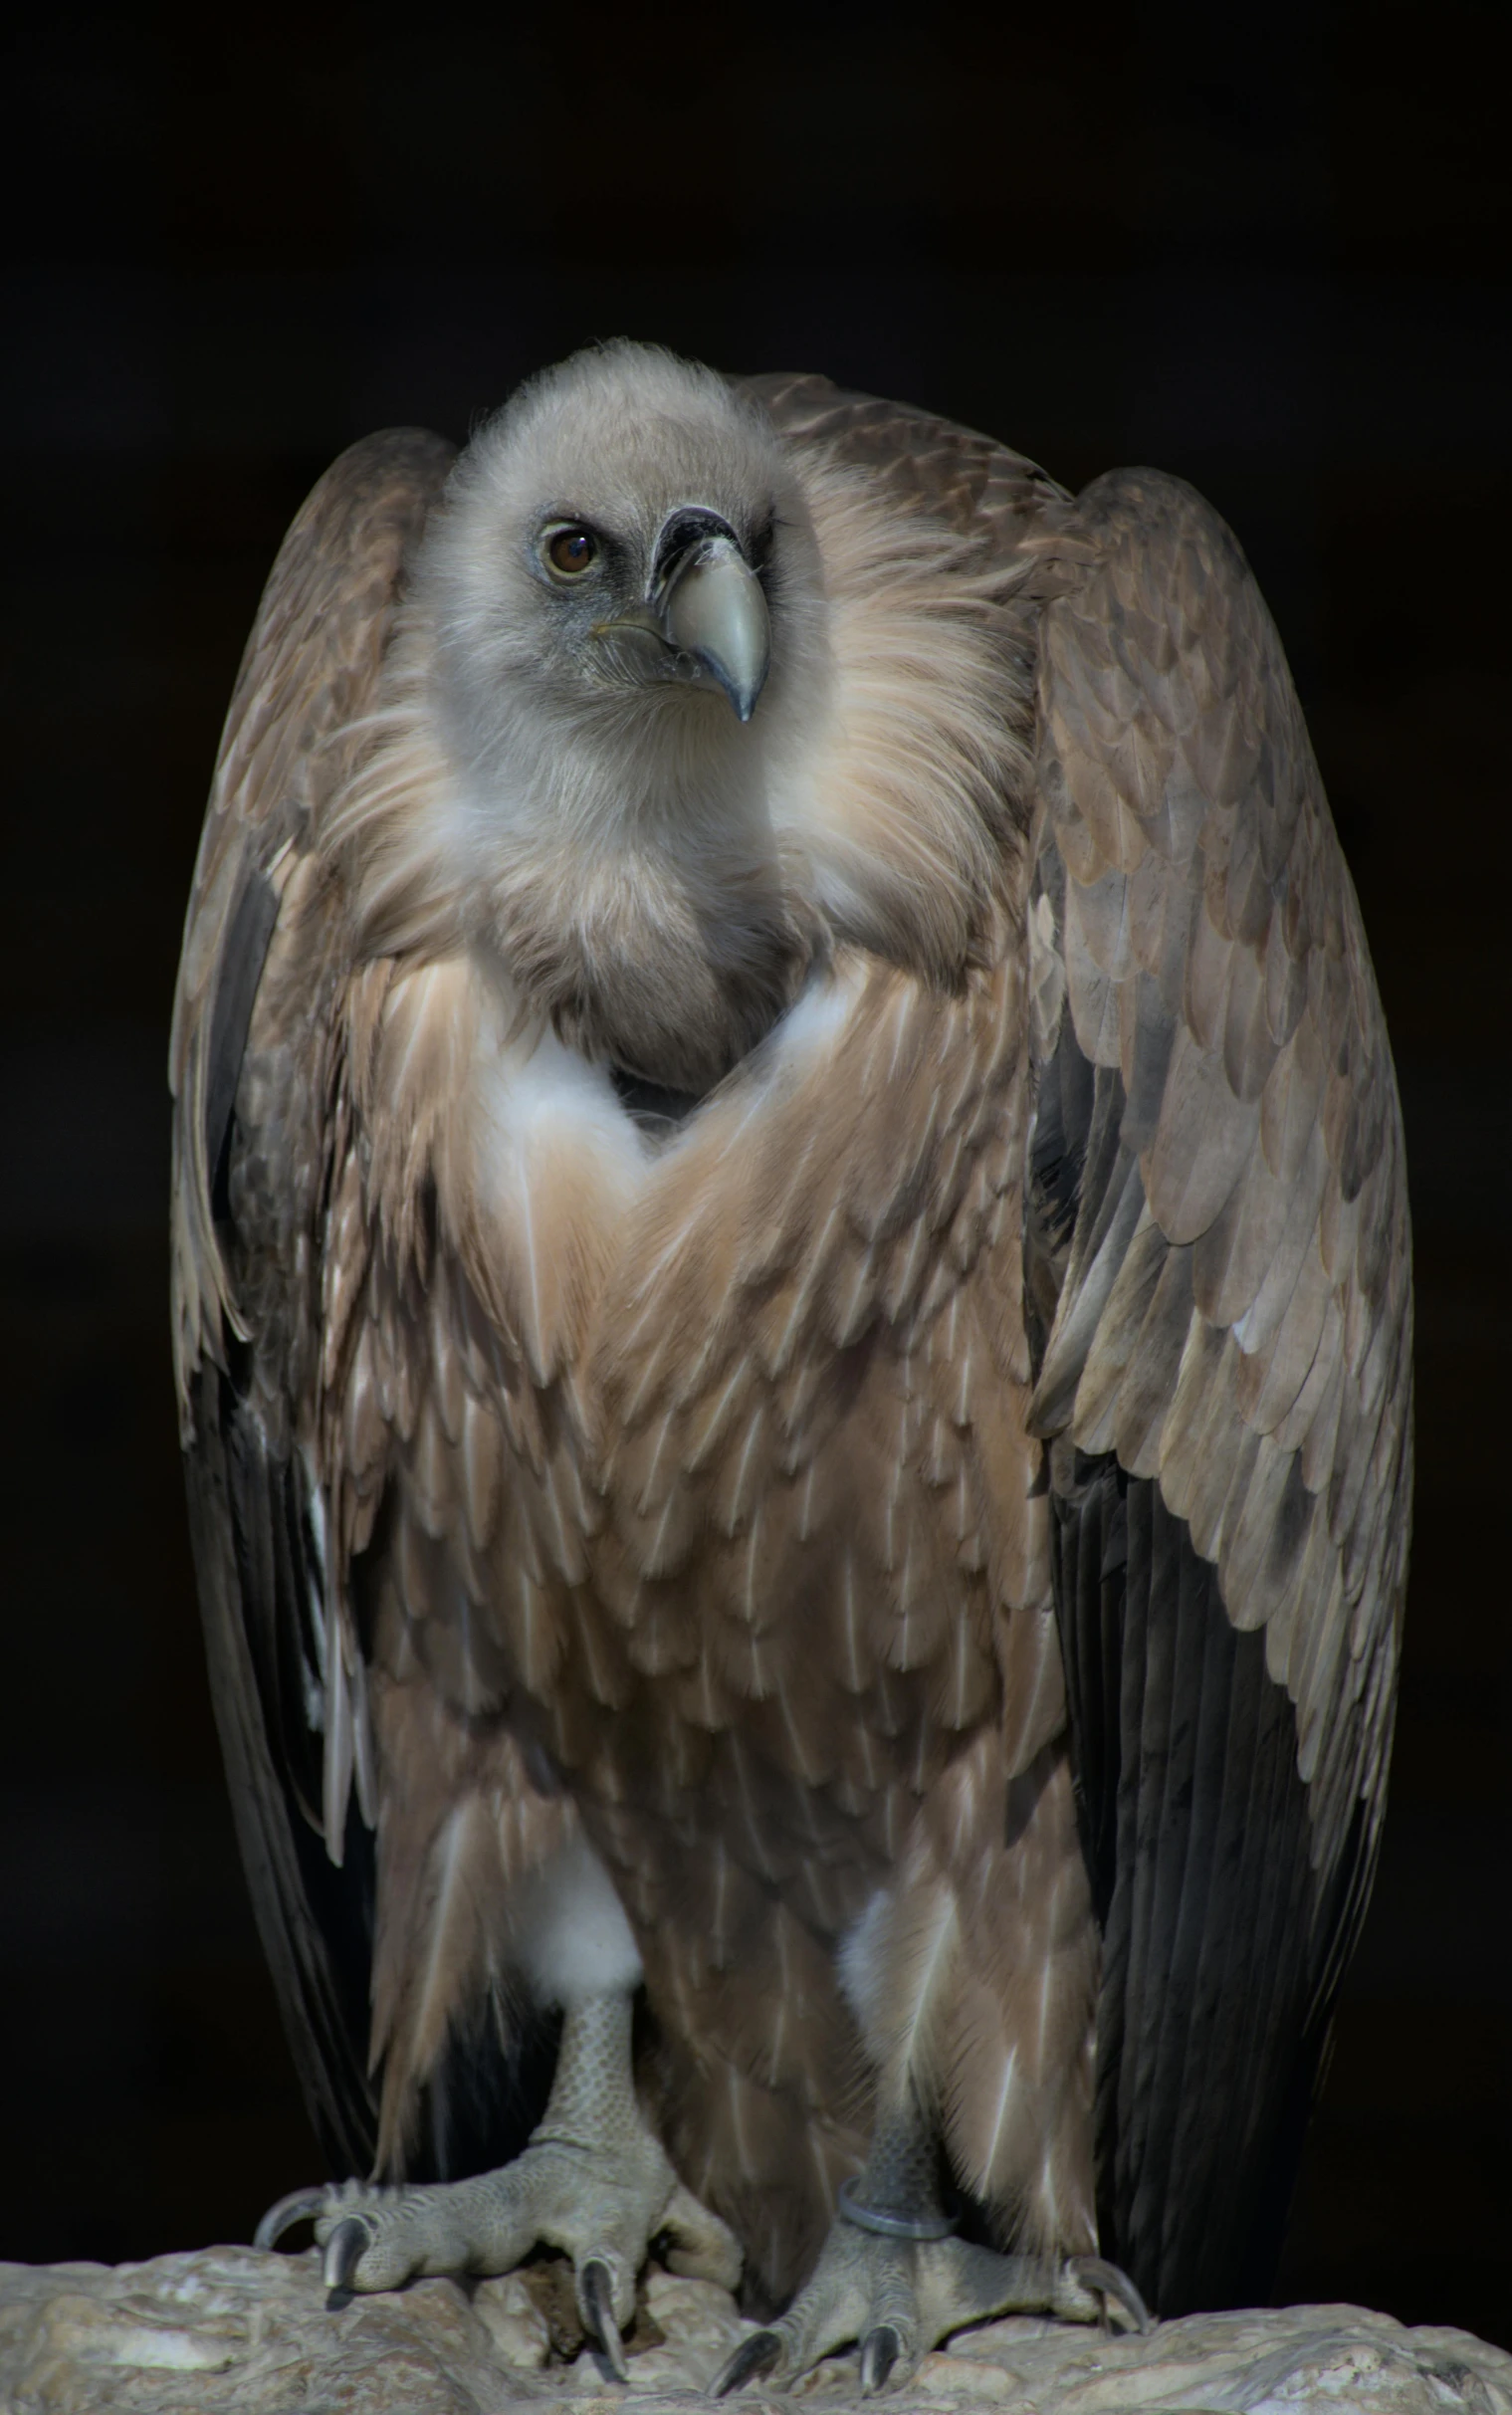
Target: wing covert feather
[306,676]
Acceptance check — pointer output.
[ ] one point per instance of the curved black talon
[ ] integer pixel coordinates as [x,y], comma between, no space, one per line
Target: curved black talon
[345,2249]
[301,2205]
[880,2351]
[757,2354]
[1113,2285]
[596,2301]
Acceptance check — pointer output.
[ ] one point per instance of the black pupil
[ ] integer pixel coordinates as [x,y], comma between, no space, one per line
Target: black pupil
[574,549]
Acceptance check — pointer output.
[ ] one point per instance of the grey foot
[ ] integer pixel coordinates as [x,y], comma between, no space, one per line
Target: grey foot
[901,2297]
[593,2182]
[600,2206]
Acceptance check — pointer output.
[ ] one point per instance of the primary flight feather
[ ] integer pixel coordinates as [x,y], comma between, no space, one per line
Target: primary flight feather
[793,1303]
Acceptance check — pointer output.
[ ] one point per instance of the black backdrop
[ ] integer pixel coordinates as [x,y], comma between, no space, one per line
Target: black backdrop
[1270,254]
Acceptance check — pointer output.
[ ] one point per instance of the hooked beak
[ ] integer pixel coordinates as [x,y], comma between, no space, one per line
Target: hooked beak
[707,606]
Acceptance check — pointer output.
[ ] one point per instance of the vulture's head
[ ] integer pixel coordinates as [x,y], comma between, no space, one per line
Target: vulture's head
[622,658]
[672,717]
[625,551]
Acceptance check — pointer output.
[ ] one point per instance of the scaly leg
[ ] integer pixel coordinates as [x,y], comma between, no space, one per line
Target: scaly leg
[593,2181]
[891,2276]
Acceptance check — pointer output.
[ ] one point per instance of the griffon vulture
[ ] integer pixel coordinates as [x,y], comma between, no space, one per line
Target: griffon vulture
[792,1308]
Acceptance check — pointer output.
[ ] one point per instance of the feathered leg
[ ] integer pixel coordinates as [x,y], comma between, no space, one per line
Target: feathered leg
[892,2277]
[593,2182]
[971,1978]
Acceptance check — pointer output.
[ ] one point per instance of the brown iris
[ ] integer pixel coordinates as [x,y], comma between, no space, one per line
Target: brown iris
[573,550]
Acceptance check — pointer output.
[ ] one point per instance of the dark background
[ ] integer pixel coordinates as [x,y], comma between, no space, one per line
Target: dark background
[1269,253]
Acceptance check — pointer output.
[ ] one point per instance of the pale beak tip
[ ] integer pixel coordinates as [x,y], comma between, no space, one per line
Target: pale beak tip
[742,690]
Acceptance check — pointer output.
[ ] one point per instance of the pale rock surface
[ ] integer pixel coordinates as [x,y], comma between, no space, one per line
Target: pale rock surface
[229,2332]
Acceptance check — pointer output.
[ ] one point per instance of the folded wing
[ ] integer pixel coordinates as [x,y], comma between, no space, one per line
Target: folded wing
[262,1135]
[1219,1276]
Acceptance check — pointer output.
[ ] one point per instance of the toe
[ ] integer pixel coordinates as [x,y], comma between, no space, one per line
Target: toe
[853,2289]
[380,2240]
[961,2283]
[698,2245]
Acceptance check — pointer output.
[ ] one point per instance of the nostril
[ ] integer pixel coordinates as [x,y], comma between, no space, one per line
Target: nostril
[682,534]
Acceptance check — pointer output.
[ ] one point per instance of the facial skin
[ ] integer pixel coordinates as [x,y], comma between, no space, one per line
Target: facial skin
[691,606]
[627,530]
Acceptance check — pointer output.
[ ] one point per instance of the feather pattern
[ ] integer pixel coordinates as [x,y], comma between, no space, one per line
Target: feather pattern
[1226,1374]
[269,1254]
[674,1485]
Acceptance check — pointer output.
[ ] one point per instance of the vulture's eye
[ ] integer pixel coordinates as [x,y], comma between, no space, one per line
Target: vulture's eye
[571,551]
